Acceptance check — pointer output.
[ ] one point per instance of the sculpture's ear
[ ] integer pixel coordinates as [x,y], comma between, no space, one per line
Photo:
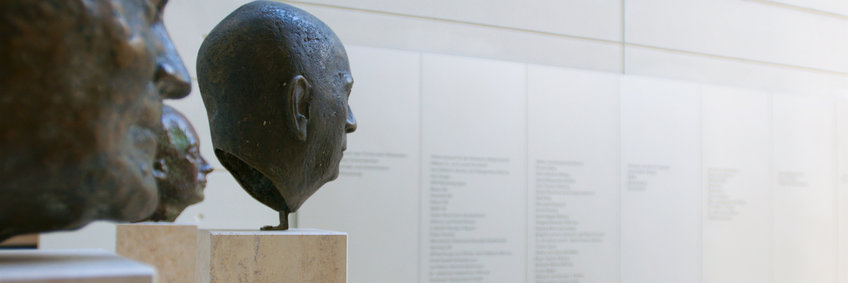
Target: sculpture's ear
[299,95]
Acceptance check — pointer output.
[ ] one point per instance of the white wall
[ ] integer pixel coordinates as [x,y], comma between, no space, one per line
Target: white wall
[727,52]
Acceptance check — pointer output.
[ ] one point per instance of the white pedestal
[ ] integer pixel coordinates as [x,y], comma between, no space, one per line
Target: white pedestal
[182,253]
[77,266]
[171,248]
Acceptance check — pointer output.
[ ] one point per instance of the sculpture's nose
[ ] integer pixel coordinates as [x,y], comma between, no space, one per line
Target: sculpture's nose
[171,77]
[350,123]
[205,168]
[172,80]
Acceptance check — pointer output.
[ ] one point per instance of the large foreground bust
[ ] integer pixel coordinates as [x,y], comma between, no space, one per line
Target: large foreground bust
[275,82]
[81,84]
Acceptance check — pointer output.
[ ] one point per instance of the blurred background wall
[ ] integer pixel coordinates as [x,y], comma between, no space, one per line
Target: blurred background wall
[613,141]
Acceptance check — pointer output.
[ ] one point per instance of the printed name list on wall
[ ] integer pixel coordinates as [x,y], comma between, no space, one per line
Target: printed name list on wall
[804,192]
[573,128]
[475,170]
[660,200]
[473,178]
[736,196]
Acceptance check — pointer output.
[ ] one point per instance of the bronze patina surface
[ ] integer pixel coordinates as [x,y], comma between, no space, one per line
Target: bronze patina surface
[179,169]
[275,81]
[81,89]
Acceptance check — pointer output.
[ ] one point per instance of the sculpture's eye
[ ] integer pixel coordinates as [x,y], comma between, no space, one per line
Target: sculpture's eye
[160,169]
[193,153]
[153,10]
[159,6]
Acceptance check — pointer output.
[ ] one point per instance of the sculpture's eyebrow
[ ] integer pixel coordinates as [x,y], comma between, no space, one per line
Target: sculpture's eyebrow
[154,9]
[348,81]
[349,85]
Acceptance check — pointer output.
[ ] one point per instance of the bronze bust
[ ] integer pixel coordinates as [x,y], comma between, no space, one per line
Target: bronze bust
[179,169]
[275,81]
[82,86]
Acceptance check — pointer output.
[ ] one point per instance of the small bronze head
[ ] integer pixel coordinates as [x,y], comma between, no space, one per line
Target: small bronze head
[179,169]
[82,86]
[275,81]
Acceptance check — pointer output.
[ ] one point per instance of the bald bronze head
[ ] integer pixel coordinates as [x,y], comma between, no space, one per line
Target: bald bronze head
[179,169]
[82,86]
[275,81]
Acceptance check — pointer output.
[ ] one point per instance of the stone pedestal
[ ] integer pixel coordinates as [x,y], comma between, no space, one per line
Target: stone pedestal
[295,255]
[29,241]
[77,266]
[171,248]
[182,253]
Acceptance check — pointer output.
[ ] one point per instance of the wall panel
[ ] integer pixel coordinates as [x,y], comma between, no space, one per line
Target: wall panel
[473,174]
[660,188]
[736,189]
[803,179]
[573,150]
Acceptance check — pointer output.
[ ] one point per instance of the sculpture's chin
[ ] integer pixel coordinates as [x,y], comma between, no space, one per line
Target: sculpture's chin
[333,175]
[172,211]
[134,199]
[135,194]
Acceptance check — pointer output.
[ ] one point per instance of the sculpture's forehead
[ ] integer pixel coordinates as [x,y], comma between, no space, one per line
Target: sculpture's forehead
[328,61]
[182,135]
[151,7]
[135,8]
[339,61]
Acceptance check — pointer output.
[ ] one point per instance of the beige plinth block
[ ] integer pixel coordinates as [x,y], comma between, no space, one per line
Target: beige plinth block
[66,266]
[296,255]
[171,248]
[22,241]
